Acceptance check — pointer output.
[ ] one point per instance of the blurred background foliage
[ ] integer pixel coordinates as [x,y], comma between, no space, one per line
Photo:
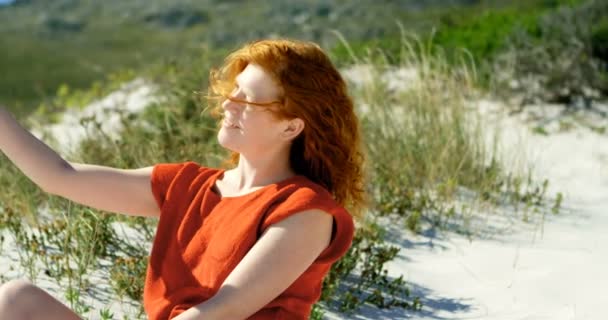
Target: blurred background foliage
[44,44]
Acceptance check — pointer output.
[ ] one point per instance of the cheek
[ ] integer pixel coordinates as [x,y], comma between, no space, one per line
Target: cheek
[256,122]
[262,125]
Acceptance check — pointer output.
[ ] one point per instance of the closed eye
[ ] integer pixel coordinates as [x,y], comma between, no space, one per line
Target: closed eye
[245,99]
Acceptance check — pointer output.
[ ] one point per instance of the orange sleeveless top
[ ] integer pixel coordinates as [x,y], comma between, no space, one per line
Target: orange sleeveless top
[201,237]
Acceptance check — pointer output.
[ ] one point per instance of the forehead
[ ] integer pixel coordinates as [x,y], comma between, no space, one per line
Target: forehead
[257,81]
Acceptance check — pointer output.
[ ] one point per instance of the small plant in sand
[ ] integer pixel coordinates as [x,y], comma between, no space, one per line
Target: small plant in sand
[424,143]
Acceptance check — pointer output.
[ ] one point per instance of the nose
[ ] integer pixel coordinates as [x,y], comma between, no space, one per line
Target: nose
[230,106]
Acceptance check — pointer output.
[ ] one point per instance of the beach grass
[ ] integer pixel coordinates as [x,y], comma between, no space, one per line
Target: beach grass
[424,142]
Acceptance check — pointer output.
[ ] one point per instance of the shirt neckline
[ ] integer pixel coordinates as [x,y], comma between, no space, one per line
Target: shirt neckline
[245,195]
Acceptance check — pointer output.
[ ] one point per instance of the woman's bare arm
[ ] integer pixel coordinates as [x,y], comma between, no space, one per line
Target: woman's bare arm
[284,251]
[105,188]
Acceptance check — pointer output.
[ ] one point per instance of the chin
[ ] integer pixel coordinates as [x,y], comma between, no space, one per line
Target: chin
[225,141]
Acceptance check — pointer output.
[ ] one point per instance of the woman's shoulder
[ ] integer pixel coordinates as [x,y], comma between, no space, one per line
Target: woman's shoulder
[177,168]
[178,176]
[301,195]
[303,188]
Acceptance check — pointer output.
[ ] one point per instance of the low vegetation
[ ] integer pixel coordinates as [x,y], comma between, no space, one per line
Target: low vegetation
[431,162]
[424,145]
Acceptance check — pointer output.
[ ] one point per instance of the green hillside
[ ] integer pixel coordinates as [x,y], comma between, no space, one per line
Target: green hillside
[47,43]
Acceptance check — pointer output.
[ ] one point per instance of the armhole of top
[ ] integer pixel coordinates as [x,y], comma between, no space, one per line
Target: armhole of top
[342,225]
[155,185]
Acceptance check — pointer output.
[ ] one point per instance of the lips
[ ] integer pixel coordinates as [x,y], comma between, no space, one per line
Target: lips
[230,125]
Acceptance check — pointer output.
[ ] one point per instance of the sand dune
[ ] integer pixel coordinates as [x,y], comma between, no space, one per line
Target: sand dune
[551,269]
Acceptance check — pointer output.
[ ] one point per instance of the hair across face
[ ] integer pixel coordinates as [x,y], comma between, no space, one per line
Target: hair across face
[329,149]
[249,122]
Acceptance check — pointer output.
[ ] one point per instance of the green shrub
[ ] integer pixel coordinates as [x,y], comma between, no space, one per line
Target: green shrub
[425,143]
[423,140]
[484,34]
[563,62]
[369,254]
[599,40]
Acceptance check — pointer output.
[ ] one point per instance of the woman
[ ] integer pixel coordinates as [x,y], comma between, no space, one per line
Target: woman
[251,242]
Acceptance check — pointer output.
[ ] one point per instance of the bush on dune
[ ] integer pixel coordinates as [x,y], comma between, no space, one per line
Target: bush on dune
[564,61]
[423,140]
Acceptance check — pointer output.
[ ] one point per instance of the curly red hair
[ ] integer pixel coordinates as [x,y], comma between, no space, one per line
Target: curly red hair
[329,149]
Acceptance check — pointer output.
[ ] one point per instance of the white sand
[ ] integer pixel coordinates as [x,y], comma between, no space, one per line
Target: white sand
[99,296]
[527,271]
[530,271]
[132,97]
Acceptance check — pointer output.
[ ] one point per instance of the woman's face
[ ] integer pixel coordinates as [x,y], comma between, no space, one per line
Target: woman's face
[248,128]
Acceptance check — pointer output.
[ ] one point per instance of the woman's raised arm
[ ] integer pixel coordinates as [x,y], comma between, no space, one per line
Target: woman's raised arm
[116,190]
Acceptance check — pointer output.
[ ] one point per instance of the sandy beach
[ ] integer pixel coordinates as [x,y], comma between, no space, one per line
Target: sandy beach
[550,268]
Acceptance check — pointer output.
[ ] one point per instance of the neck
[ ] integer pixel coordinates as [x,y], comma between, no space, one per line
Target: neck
[260,170]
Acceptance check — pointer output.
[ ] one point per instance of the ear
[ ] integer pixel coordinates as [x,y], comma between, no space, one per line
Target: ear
[293,128]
